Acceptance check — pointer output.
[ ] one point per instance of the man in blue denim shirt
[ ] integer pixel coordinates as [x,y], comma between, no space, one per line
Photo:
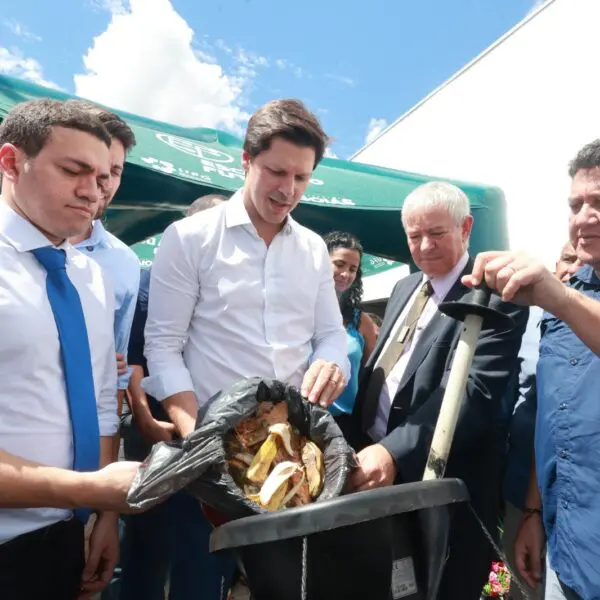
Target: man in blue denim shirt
[567,447]
[119,263]
[519,462]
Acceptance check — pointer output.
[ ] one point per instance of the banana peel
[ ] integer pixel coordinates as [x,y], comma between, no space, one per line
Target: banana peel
[263,460]
[312,459]
[275,489]
[284,432]
[261,463]
[272,463]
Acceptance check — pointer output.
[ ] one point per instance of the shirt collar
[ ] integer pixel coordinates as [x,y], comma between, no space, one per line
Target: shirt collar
[97,238]
[236,214]
[586,275]
[443,284]
[21,234]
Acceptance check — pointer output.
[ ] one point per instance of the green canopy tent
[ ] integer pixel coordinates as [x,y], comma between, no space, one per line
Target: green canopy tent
[171,166]
[145,250]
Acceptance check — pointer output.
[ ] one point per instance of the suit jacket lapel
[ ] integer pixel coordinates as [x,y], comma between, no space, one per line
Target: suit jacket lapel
[434,328]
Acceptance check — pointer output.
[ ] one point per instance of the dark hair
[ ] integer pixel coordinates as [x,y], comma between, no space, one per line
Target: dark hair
[377,320]
[203,203]
[289,120]
[587,158]
[29,124]
[114,124]
[351,299]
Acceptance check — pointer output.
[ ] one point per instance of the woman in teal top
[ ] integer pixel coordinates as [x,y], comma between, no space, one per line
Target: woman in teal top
[346,252]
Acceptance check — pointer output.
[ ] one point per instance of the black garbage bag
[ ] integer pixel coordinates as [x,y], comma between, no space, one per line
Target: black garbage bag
[199,462]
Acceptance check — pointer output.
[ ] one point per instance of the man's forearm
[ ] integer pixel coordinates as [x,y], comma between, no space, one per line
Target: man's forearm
[24,484]
[533,498]
[109,453]
[582,314]
[116,439]
[107,450]
[139,401]
[182,409]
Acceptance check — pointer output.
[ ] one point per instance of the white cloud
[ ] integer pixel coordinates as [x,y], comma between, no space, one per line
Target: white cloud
[249,63]
[286,65]
[21,30]
[329,153]
[172,80]
[222,45]
[15,64]
[113,6]
[375,127]
[348,81]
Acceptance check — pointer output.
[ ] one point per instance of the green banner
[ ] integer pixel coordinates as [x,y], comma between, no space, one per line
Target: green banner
[371,265]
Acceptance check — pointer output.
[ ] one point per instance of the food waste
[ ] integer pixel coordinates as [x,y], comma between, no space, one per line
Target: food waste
[271,462]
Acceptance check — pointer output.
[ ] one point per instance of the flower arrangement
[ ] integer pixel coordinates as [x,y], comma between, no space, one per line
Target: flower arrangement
[498,584]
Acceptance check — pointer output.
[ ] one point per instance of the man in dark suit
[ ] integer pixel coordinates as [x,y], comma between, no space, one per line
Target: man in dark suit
[403,383]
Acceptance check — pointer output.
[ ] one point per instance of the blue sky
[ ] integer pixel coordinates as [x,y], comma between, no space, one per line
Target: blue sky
[358,64]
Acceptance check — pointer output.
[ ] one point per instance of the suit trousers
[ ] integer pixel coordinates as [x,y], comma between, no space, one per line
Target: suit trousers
[45,564]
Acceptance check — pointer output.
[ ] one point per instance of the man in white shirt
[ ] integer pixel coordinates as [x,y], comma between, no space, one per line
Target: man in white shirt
[119,262]
[242,289]
[56,317]
[403,385]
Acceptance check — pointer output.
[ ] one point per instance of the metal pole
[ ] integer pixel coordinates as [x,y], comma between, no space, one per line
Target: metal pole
[455,389]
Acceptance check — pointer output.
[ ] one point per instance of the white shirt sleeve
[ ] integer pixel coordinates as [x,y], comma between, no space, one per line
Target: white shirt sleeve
[174,291]
[329,341]
[108,418]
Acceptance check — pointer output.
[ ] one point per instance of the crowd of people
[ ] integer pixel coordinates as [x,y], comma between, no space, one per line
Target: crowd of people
[94,350]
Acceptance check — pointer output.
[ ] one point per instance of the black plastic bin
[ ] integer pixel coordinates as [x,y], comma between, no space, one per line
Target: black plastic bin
[383,544]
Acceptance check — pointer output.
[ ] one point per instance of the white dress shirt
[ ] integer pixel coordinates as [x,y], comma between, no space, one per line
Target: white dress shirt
[34,412]
[121,268]
[223,306]
[441,287]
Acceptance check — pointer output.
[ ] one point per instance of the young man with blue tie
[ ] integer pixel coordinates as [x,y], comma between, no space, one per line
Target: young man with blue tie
[58,409]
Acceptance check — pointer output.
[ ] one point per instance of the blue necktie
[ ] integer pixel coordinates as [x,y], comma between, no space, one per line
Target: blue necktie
[76,361]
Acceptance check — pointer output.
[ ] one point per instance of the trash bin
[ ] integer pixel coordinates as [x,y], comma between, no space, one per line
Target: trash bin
[382,544]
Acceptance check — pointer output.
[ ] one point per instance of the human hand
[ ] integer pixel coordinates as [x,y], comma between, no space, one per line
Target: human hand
[376,468]
[107,488]
[529,549]
[154,431]
[102,556]
[122,367]
[518,278]
[323,383]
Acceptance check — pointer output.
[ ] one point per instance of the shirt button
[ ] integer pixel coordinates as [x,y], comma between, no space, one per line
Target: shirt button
[563,454]
[574,361]
[89,248]
[562,406]
[565,504]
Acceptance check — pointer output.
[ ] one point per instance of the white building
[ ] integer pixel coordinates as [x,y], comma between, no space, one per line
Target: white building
[514,117]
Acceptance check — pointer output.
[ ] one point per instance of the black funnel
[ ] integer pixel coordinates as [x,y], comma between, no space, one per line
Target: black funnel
[376,545]
[477,303]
